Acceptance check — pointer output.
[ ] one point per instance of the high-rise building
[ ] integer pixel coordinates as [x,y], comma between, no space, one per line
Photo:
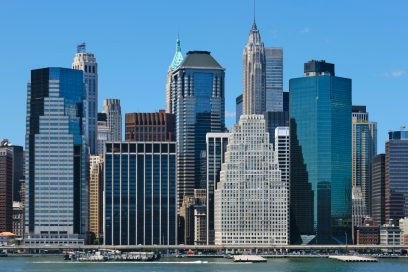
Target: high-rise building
[175,64]
[262,76]
[150,127]
[216,146]
[396,176]
[140,193]
[364,148]
[6,189]
[18,219]
[321,153]
[378,189]
[17,154]
[238,108]
[197,100]
[285,101]
[251,200]
[274,79]
[86,62]
[282,151]
[113,118]
[96,196]
[200,217]
[56,157]
[274,119]
[103,132]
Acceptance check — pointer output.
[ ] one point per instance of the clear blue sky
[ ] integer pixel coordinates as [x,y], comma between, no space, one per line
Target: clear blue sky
[134,42]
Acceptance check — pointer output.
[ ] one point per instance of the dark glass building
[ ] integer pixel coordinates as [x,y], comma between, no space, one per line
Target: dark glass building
[320,150]
[396,176]
[140,193]
[274,119]
[197,100]
[6,182]
[150,127]
[56,208]
[238,108]
[378,189]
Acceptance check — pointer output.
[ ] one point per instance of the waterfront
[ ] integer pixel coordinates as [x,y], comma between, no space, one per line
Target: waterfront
[44,264]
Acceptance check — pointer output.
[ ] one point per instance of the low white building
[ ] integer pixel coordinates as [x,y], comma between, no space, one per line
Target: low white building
[251,200]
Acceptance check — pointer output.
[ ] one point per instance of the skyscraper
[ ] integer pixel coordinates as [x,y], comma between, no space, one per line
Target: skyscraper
[96,196]
[378,189]
[282,151]
[396,176]
[6,189]
[215,156]
[262,76]
[176,62]
[364,148]
[150,126]
[274,79]
[56,157]
[197,100]
[113,118]
[275,119]
[103,132]
[143,174]
[251,200]
[238,108]
[321,153]
[86,62]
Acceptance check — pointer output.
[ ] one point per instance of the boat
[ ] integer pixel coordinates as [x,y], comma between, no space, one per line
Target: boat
[3,254]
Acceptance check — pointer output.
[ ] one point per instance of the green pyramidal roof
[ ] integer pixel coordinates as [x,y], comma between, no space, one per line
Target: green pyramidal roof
[178,57]
[200,59]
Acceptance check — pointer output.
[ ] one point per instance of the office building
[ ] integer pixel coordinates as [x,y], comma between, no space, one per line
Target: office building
[396,176]
[17,165]
[282,150]
[378,189]
[96,196]
[274,79]
[368,233]
[274,120]
[197,99]
[6,189]
[238,108]
[150,127]
[390,235]
[216,147]
[86,62]
[403,225]
[103,132]
[18,219]
[251,200]
[200,217]
[364,144]
[321,153]
[140,193]
[56,208]
[175,64]
[113,118]
[285,101]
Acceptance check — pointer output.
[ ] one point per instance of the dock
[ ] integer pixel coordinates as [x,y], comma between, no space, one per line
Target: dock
[353,258]
[248,258]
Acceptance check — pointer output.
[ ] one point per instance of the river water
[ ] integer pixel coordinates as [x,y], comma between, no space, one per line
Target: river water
[56,264]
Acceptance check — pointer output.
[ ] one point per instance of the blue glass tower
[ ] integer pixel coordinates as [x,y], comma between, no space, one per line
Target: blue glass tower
[56,158]
[321,168]
[140,193]
[197,100]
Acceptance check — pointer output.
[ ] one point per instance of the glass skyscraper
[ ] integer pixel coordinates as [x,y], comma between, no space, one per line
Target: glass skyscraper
[197,100]
[396,176]
[140,193]
[320,150]
[56,157]
[274,79]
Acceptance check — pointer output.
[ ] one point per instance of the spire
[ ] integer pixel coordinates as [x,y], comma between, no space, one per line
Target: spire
[178,56]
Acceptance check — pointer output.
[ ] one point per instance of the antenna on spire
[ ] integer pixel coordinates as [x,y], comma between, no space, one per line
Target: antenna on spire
[81,47]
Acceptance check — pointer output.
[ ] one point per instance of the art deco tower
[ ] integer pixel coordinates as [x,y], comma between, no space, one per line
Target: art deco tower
[254,74]
[177,60]
[86,62]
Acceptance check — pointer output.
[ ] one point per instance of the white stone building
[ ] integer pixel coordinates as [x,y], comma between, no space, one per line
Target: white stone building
[251,200]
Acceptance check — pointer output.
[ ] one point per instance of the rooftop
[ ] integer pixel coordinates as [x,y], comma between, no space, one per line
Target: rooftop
[200,59]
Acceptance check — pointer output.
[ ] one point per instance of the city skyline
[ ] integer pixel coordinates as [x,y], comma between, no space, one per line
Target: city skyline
[380,70]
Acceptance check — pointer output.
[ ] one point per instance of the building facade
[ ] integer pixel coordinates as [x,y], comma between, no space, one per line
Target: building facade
[396,176]
[320,149]
[368,233]
[364,145]
[238,108]
[113,111]
[150,127]
[197,100]
[96,195]
[86,62]
[275,119]
[6,189]
[140,197]
[274,79]
[56,157]
[282,151]
[216,147]
[177,60]
[390,235]
[378,189]
[251,200]
[103,132]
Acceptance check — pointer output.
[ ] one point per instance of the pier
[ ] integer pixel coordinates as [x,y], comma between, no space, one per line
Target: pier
[248,258]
